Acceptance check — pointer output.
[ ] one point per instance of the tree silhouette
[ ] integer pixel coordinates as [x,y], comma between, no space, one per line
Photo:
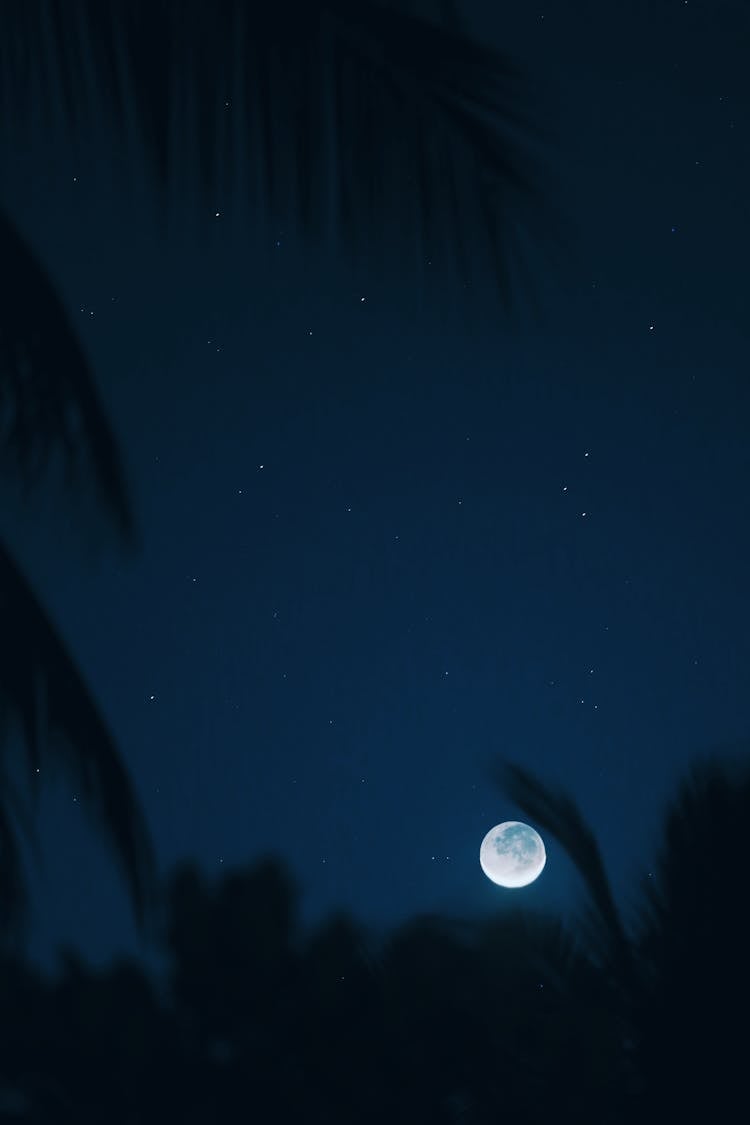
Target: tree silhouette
[444,1020]
[692,936]
[350,119]
[681,979]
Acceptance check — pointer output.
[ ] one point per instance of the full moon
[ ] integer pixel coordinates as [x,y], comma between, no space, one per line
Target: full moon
[512,854]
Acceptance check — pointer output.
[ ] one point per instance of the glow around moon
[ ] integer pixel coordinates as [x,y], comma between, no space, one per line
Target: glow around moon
[512,854]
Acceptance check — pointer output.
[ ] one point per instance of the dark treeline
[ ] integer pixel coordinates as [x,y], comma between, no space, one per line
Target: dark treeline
[515,1017]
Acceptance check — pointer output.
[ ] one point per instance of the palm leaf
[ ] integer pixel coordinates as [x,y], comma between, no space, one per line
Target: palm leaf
[50,414]
[42,691]
[358,116]
[13,894]
[49,405]
[557,813]
[14,898]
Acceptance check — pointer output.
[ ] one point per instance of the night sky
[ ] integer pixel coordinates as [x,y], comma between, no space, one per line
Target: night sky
[388,530]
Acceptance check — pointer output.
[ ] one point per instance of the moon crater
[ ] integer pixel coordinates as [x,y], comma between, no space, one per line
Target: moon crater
[512,854]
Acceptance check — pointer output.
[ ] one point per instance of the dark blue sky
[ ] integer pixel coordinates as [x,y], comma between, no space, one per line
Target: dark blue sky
[384,540]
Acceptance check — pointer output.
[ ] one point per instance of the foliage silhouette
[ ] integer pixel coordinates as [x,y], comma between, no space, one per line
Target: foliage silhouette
[445,1020]
[558,814]
[49,405]
[50,412]
[681,977]
[348,116]
[360,121]
[693,937]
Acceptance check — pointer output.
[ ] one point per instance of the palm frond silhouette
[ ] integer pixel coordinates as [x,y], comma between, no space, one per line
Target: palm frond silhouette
[682,973]
[13,893]
[557,813]
[360,121]
[49,405]
[50,416]
[16,820]
[352,120]
[47,696]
